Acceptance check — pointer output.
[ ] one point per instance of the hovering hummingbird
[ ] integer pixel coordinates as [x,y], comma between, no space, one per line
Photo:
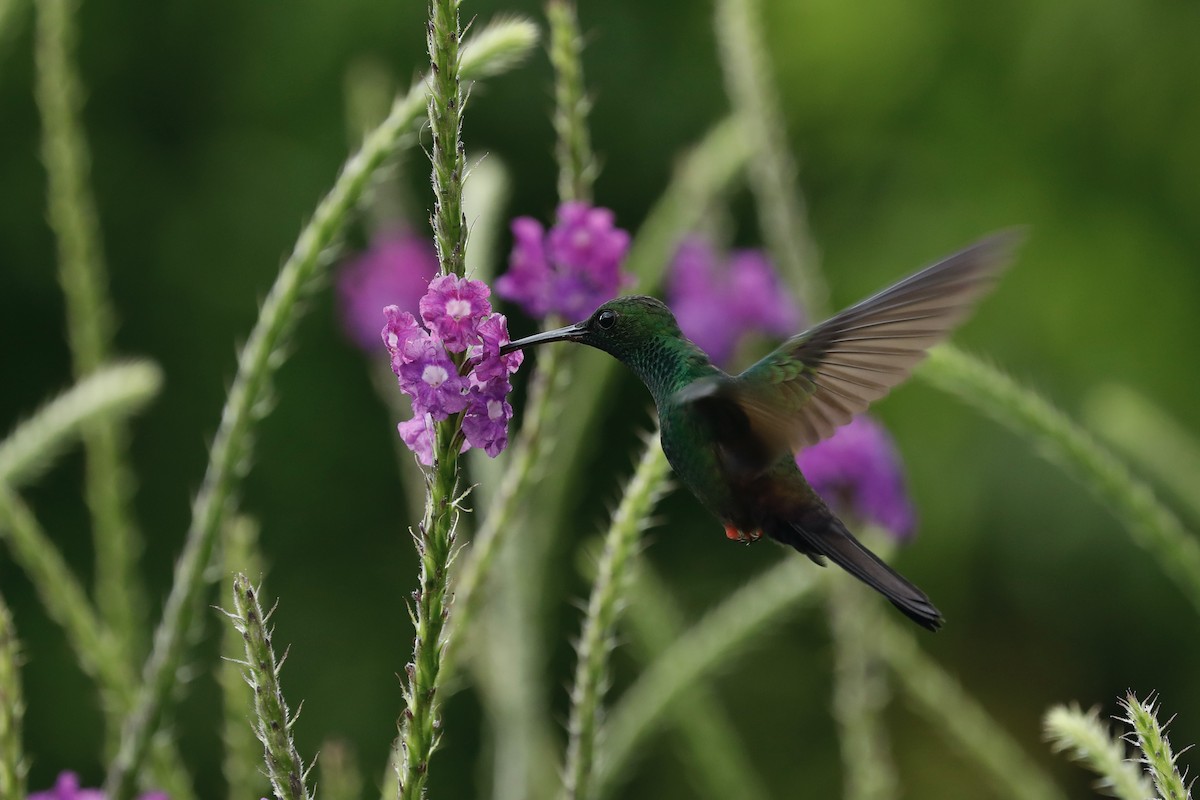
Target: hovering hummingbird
[731,439]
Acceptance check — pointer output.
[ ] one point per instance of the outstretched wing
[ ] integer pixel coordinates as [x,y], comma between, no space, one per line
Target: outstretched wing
[820,379]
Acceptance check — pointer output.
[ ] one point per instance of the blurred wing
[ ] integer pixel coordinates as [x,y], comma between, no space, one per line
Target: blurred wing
[817,381]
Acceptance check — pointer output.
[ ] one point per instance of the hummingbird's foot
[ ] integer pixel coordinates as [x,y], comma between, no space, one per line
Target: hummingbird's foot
[734,535]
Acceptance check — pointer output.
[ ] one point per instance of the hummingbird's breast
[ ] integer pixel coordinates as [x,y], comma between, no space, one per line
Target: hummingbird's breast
[687,441]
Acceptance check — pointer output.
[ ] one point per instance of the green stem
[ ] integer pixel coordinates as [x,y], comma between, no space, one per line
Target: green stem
[1151,524]
[772,171]
[573,150]
[718,764]
[860,693]
[961,719]
[242,761]
[1151,737]
[599,626]
[1090,742]
[96,649]
[420,726]
[723,634]
[120,593]
[247,402]
[273,720]
[12,709]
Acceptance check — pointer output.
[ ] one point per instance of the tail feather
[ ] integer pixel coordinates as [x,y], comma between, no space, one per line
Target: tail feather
[820,533]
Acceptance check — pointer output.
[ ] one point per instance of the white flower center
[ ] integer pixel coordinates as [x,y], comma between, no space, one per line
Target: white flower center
[495,409]
[393,341]
[434,375]
[458,308]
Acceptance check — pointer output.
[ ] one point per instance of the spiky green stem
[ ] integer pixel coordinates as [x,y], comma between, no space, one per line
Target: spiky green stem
[445,102]
[247,402]
[718,765]
[573,149]
[1149,735]
[120,390]
[120,593]
[12,709]
[772,170]
[1089,742]
[939,698]
[273,721]
[242,762]
[860,693]
[724,633]
[604,607]
[1151,524]
[1155,442]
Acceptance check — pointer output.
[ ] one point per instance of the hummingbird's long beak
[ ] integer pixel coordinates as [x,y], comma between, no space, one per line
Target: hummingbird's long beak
[567,334]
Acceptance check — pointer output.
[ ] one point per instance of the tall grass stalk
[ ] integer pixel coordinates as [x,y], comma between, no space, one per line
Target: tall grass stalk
[860,693]
[1146,434]
[120,593]
[717,762]
[97,651]
[248,399]
[941,700]
[1088,741]
[607,600]
[1151,737]
[1151,524]
[272,719]
[722,635]
[745,63]
[119,390]
[573,148]
[242,762]
[12,710]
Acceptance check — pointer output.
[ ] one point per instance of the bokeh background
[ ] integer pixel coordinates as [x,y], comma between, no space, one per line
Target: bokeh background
[918,125]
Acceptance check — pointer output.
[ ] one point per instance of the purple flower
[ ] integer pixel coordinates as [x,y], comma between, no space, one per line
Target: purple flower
[458,318]
[453,307]
[858,472]
[67,788]
[717,304]
[570,269]
[393,271]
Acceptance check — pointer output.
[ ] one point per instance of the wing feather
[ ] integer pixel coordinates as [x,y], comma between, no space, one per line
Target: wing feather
[819,380]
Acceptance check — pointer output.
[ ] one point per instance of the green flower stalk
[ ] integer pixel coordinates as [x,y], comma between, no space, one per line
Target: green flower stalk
[114,391]
[1088,741]
[1154,441]
[120,593]
[248,399]
[860,694]
[1151,737]
[599,626]
[273,721]
[445,102]
[722,635]
[12,708]
[573,150]
[242,763]
[772,171]
[1151,524]
[941,700]
[718,764]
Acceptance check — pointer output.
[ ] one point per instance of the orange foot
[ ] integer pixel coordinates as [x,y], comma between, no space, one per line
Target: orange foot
[733,534]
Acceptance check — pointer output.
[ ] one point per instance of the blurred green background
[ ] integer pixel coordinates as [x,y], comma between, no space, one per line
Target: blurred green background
[919,125]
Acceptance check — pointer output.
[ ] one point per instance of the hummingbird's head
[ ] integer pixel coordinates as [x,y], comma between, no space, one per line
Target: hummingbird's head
[621,327]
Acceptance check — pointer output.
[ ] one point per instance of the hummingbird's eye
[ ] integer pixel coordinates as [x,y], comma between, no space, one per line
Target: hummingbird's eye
[606,319]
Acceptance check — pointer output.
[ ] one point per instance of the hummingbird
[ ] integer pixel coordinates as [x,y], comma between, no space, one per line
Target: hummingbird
[732,439]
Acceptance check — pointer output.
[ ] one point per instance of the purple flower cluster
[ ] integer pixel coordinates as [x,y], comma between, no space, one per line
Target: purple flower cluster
[458,319]
[571,269]
[67,788]
[857,471]
[717,303]
[393,271]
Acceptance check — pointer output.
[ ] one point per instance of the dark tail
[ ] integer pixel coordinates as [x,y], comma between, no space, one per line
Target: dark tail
[820,533]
